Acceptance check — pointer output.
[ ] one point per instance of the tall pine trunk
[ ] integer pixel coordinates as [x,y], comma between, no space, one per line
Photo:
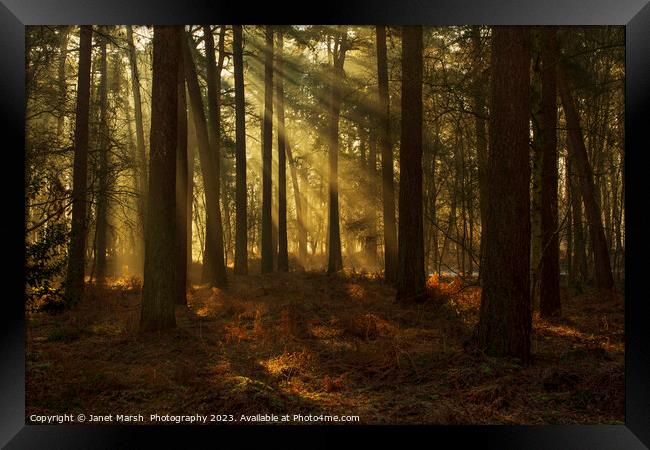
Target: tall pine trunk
[267,156]
[213,73]
[505,315]
[181,187]
[241,226]
[603,272]
[383,139]
[410,237]
[74,286]
[141,164]
[102,171]
[334,257]
[283,256]
[550,263]
[213,260]
[159,288]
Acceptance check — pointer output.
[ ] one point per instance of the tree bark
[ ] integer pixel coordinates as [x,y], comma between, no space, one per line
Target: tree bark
[241,226]
[505,315]
[388,191]
[267,156]
[550,264]
[181,186]
[213,73]
[74,287]
[102,171]
[215,270]
[283,255]
[410,237]
[603,272]
[63,53]
[300,213]
[141,165]
[159,288]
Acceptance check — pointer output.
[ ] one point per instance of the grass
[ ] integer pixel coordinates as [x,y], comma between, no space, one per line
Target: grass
[310,343]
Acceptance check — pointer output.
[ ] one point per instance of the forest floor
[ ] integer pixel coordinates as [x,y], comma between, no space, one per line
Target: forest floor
[309,343]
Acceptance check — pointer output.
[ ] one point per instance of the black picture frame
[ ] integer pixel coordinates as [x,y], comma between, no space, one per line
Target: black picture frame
[634,14]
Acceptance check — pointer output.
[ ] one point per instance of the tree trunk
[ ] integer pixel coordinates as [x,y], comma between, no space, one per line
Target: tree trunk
[335,259]
[388,191]
[267,156]
[241,227]
[283,255]
[74,286]
[478,106]
[63,53]
[410,237]
[181,187]
[159,288]
[603,271]
[505,315]
[215,270]
[141,165]
[213,73]
[300,213]
[550,268]
[102,171]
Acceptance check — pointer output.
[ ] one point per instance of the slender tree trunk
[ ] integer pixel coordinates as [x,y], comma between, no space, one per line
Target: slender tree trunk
[267,156]
[335,259]
[191,152]
[603,271]
[159,288]
[536,173]
[388,191]
[181,186]
[371,239]
[102,171]
[241,227]
[569,229]
[213,73]
[74,286]
[63,53]
[505,315]
[215,271]
[410,237]
[141,165]
[283,255]
[550,264]
[300,213]
[479,130]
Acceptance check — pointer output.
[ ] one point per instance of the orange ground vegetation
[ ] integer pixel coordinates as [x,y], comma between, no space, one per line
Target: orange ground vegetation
[309,343]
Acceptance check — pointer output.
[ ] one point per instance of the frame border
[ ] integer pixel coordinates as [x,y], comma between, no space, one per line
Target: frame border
[634,14]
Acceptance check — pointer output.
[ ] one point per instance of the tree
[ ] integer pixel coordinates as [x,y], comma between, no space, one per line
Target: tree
[478,106]
[215,270]
[159,288]
[182,180]
[267,156]
[241,227]
[63,54]
[603,272]
[283,255]
[550,263]
[410,237]
[101,223]
[383,137]
[505,315]
[76,261]
[334,258]
[140,166]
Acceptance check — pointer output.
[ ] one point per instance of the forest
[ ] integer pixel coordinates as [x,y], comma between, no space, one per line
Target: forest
[398,224]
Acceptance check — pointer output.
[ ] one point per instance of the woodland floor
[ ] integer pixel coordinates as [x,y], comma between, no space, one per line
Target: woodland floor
[309,343]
